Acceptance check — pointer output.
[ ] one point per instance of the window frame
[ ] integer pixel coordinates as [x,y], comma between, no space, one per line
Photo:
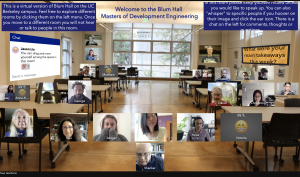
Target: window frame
[62,56]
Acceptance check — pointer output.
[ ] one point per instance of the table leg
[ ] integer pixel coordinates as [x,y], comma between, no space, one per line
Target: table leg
[244,151]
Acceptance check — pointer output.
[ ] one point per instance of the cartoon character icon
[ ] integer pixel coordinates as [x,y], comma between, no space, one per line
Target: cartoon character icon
[241,126]
[22,92]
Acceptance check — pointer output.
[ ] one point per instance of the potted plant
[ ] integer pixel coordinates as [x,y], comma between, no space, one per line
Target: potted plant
[180,127]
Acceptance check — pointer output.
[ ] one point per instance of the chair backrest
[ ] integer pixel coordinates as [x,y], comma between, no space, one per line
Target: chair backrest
[95,81]
[292,102]
[188,73]
[284,127]
[201,67]
[183,70]
[134,67]
[61,81]
[131,72]
[75,78]
[204,83]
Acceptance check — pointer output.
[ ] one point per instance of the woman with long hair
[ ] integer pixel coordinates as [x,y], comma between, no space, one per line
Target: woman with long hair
[21,125]
[109,130]
[150,128]
[68,130]
[257,99]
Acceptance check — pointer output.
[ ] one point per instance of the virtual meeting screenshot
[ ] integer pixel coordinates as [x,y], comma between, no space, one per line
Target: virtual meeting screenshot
[161,89]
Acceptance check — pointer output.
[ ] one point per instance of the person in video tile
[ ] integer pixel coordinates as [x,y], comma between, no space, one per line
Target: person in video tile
[150,128]
[145,161]
[197,75]
[287,89]
[9,96]
[68,130]
[263,74]
[217,97]
[79,97]
[257,99]
[209,58]
[109,130]
[223,76]
[91,55]
[91,41]
[245,76]
[20,125]
[86,72]
[197,133]
[47,97]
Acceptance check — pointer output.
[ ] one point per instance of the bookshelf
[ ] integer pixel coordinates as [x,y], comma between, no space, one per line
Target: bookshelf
[158,149]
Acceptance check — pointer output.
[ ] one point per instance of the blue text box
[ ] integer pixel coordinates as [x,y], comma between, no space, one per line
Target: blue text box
[48,16]
[251,16]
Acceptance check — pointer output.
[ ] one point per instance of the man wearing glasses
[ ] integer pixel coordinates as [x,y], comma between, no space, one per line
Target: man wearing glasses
[145,161]
[197,133]
[217,97]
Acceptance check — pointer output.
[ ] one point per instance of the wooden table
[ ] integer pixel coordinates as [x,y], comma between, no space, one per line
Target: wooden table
[183,78]
[199,92]
[43,112]
[191,83]
[180,73]
[123,75]
[112,80]
[267,113]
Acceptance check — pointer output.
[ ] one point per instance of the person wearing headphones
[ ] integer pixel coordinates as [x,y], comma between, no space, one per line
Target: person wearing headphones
[197,133]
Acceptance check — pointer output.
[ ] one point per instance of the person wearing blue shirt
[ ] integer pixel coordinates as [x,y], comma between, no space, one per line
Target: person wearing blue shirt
[9,96]
[223,76]
[21,125]
[91,55]
[145,161]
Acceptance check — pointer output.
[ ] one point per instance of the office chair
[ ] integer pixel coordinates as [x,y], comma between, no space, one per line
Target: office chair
[292,102]
[75,78]
[281,134]
[201,67]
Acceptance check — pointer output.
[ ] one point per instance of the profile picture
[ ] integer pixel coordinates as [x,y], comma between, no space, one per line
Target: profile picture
[206,73]
[210,54]
[288,88]
[150,156]
[258,94]
[108,71]
[18,123]
[47,96]
[197,74]
[6,93]
[69,127]
[265,72]
[88,70]
[196,127]
[79,92]
[222,93]
[91,39]
[112,127]
[153,127]
[222,74]
[245,73]
[93,53]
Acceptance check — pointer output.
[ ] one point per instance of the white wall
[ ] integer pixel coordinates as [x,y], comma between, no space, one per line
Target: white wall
[124,123]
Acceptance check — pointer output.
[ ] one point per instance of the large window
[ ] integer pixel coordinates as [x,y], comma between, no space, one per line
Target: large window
[256,33]
[158,50]
[66,58]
